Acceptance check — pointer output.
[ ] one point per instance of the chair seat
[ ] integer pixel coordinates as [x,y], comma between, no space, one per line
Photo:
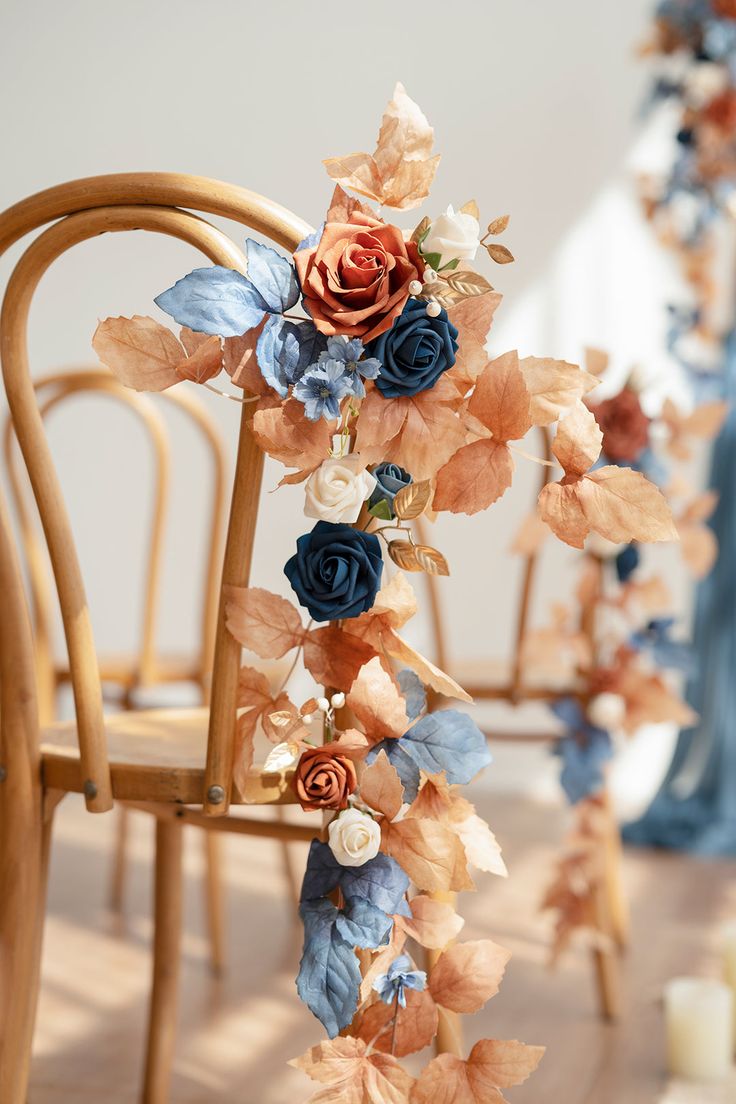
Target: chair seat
[155,755]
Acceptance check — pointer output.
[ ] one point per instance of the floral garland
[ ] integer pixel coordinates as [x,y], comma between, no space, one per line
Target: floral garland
[694,42]
[618,650]
[382,398]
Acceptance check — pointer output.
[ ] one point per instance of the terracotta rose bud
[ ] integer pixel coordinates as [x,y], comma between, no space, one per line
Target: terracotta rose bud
[356,280]
[624,425]
[324,779]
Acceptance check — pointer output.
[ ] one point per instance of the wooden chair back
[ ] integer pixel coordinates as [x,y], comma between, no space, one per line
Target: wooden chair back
[145,667]
[85,209]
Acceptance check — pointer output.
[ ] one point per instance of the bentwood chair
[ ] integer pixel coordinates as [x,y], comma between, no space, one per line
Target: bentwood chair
[126,677]
[516,684]
[175,763]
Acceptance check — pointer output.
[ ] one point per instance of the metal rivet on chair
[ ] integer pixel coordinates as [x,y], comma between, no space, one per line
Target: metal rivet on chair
[215,795]
[90,790]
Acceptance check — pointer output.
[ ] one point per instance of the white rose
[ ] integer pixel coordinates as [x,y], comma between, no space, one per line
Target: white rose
[354,837]
[454,235]
[607,710]
[338,488]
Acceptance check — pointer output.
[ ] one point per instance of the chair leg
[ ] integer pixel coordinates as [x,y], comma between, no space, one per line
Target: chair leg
[214,903]
[618,903]
[24,853]
[293,884]
[606,962]
[449,1037]
[119,861]
[166,960]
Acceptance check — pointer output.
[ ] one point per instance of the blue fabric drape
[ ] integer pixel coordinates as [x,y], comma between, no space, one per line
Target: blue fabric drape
[695,809]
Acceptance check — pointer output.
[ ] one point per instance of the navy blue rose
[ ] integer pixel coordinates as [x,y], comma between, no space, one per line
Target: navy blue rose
[336,571]
[414,352]
[390,479]
[627,562]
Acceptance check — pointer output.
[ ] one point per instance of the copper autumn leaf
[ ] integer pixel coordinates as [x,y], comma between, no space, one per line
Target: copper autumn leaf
[352,1075]
[433,924]
[416,1024]
[554,386]
[146,356]
[430,853]
[440,801]
[618,503]
[698,542]
[400,171]
[375,700]
[704,422]
[381,788]
[256,702]
[263,622]
[467,975]
[473,318]
[493,1065]
[479,473]
[420,433]
[284,433]
[334,657]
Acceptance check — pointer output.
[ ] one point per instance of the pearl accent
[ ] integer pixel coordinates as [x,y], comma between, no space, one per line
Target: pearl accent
[323,705]
[337,700]
[415,287]
[429,275]
[308,718]
[433,308]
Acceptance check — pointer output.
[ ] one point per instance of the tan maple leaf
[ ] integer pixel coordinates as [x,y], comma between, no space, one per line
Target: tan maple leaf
[554,386]
[618,503]
[480,472]
[266,623]
[400,171]
[146,356]
[352,1075]
[492,1065]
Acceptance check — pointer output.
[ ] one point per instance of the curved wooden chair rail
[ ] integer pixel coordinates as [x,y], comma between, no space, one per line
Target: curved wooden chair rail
[86,209]
[146,666]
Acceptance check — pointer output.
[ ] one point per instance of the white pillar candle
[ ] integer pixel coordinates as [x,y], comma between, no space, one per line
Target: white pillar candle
[728,951]
[699,1018]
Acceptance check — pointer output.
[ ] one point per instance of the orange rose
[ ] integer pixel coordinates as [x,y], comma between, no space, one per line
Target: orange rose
[721,111]
[356,280]
[324,779]
[726,8]
[624,425]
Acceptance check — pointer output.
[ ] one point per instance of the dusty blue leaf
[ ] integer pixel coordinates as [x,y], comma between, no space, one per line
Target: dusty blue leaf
[329,973]
[363,924]
[583,759]
[272,276]
[311,239]
[322,874]
[406,768]
[448,741]
[413,690]
[380,881]
[286,349]
[213,300]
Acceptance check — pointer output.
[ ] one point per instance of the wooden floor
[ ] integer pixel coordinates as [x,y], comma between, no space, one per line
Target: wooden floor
[237,1033]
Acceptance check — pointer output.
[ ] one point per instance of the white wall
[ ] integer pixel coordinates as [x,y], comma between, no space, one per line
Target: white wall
[534,107]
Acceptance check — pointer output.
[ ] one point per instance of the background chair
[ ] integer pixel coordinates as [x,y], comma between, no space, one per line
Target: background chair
[512,682]
[161,760]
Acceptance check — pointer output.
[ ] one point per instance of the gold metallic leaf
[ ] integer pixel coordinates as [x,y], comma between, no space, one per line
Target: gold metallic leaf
[412,500]
[445,295]
[499,253]
[281,718]
[403,553]
[468,283]
[499,224]
[421,230]
[470,208]
[430,560]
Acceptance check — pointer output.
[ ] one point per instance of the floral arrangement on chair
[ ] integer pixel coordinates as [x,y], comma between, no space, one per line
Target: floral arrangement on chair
[694,44]
[383,400]
[616,647]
